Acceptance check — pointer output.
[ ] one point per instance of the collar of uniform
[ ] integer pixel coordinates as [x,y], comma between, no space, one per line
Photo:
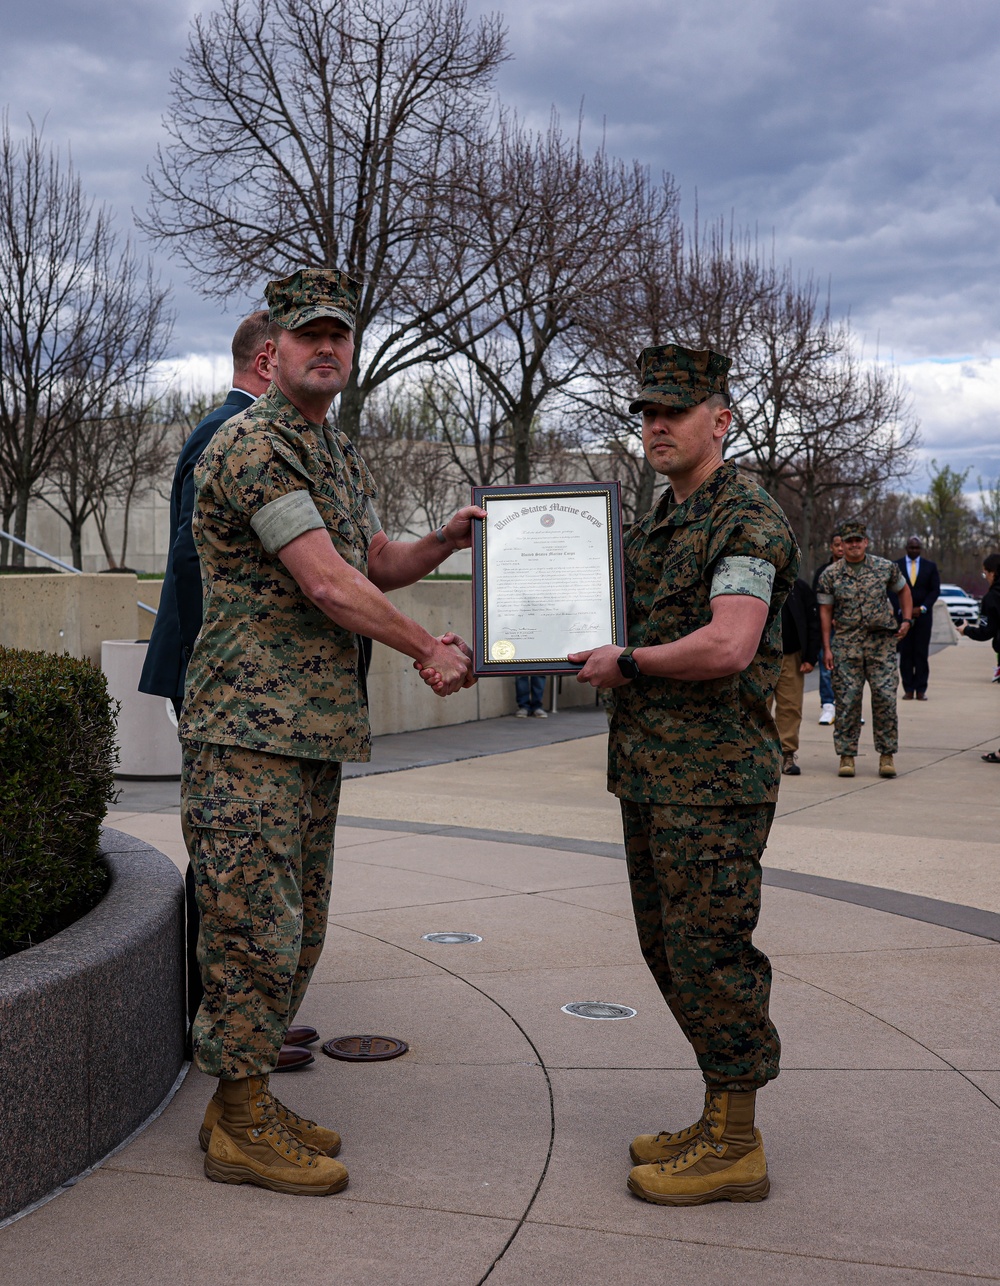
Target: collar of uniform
[276,402]
[699,502]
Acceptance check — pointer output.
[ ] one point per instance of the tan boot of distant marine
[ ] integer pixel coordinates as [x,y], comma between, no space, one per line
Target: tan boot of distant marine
[250,1144]
[724,1163]
[312,1135]
[886,768]
[846,766]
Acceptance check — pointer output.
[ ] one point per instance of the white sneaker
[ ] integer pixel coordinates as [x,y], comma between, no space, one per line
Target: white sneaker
[829,713]
[522,712]
[539,714]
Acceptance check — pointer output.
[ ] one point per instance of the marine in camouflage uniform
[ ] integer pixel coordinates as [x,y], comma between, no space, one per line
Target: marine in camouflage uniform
[694,759]
[854,591]
[275,702]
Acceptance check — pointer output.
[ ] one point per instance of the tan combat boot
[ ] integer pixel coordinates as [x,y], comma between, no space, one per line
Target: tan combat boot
[724,1163]
[250,1144]
[886,768]
[846,766]
[314,1136]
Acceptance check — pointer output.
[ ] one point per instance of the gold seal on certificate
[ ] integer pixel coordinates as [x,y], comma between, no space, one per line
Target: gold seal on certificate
[502,650]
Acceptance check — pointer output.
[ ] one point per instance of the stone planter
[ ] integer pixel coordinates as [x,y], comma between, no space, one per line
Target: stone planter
[93,1026]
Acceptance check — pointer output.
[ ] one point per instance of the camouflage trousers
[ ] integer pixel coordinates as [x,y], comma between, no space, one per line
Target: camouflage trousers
[695,879]
[259,832]
[857,659]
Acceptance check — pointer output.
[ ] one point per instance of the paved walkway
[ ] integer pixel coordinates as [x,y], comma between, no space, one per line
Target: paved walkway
[497,1147]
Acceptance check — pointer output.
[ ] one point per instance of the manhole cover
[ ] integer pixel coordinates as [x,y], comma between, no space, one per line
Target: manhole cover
[451,939]
[598,1009]
[364,1049]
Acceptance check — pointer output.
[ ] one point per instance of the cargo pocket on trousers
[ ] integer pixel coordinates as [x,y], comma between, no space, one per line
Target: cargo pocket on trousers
[724,896]
[233,862]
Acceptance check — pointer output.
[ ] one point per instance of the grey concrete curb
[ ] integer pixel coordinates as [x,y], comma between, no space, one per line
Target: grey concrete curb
[93,1026]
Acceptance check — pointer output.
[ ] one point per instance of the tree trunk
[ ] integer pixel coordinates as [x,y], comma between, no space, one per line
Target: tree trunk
[644,496]
[520,425]
[352,402]
[808,509]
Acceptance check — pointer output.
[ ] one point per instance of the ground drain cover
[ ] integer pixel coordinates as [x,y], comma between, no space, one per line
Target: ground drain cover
[364,1049]
[451,939]
[598,1009]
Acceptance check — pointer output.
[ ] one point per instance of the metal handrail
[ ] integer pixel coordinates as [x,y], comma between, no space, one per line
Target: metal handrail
[67,567]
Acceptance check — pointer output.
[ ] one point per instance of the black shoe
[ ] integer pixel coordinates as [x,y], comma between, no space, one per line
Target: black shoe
[789,767]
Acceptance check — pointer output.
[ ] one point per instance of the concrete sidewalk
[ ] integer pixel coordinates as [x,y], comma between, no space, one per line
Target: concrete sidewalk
[497,1147]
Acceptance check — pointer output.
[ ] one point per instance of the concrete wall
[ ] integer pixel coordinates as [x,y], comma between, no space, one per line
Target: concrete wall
[93,1026]
[74,614]
[67,613]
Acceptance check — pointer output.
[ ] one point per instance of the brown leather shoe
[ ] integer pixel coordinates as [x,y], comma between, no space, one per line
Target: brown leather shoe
[921,696]
[301,1035]
[907,696]
[291,1058]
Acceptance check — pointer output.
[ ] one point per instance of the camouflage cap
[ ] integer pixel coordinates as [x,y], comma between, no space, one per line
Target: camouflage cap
[311,293]
[674,376]
[855,527]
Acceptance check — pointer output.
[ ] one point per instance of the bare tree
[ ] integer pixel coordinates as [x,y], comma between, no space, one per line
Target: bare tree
[852,428]
[333,135]
[82,321]
[556,226]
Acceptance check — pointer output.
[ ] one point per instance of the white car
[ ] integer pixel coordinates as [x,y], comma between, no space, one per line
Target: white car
[960,606]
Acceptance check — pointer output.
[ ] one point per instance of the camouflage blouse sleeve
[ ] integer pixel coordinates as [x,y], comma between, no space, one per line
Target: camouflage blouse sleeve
[748,550]
[262,480]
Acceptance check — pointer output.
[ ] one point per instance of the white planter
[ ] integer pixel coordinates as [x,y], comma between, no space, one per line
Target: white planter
[147,729]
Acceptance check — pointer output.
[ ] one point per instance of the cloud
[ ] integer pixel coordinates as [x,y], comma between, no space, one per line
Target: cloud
[864,134]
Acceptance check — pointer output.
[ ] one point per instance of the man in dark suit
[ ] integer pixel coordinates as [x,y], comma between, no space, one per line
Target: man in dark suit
[178,618]
[925,586]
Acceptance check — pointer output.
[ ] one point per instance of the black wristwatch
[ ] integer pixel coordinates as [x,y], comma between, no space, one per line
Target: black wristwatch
[628,665]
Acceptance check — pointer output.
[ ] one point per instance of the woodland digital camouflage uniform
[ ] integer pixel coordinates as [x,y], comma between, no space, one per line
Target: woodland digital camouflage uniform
[696,767]
[864,647]
[275,702]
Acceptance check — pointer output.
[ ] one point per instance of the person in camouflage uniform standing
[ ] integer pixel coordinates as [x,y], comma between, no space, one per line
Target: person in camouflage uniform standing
[854,592]
[293,564]
[693,756]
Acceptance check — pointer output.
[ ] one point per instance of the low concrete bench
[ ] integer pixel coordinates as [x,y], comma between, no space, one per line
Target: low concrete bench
[91,1026]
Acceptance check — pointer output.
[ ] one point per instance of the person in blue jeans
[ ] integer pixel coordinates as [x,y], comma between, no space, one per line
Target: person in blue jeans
[828,707]
[530,690]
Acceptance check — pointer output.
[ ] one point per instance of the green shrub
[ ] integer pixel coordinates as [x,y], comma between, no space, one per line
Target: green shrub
[57,759]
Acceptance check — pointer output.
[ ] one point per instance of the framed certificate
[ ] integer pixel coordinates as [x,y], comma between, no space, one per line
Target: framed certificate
[546,575]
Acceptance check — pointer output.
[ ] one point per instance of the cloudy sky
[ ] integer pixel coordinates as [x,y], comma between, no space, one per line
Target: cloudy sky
[863,137]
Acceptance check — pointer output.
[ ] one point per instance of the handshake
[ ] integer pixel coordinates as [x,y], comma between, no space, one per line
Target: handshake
[448,666]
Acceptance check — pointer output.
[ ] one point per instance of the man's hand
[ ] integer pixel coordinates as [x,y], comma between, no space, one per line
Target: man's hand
[828,658]
[454,641]
[600,666]
[446,668]
[903,630]
[457,531]
[960,627]
[806,667]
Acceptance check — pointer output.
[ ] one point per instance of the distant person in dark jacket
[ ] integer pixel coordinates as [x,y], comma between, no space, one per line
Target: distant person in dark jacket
[988,629]
[925,586]
[178,618]
[800,646]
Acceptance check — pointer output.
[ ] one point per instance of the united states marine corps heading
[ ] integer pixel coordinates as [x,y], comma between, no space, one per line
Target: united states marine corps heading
[294,562]
[694,758]
[854,592]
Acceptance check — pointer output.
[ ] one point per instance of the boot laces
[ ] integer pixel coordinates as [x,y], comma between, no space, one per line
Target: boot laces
[700,1141]
[273,1125]
[290,1118]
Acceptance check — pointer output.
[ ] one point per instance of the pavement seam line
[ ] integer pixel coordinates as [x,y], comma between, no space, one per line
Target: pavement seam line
[892,1026]
[541,1063]
[764,1250]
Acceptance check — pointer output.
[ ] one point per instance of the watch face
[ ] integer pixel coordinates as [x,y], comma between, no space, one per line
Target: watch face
[628,666]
